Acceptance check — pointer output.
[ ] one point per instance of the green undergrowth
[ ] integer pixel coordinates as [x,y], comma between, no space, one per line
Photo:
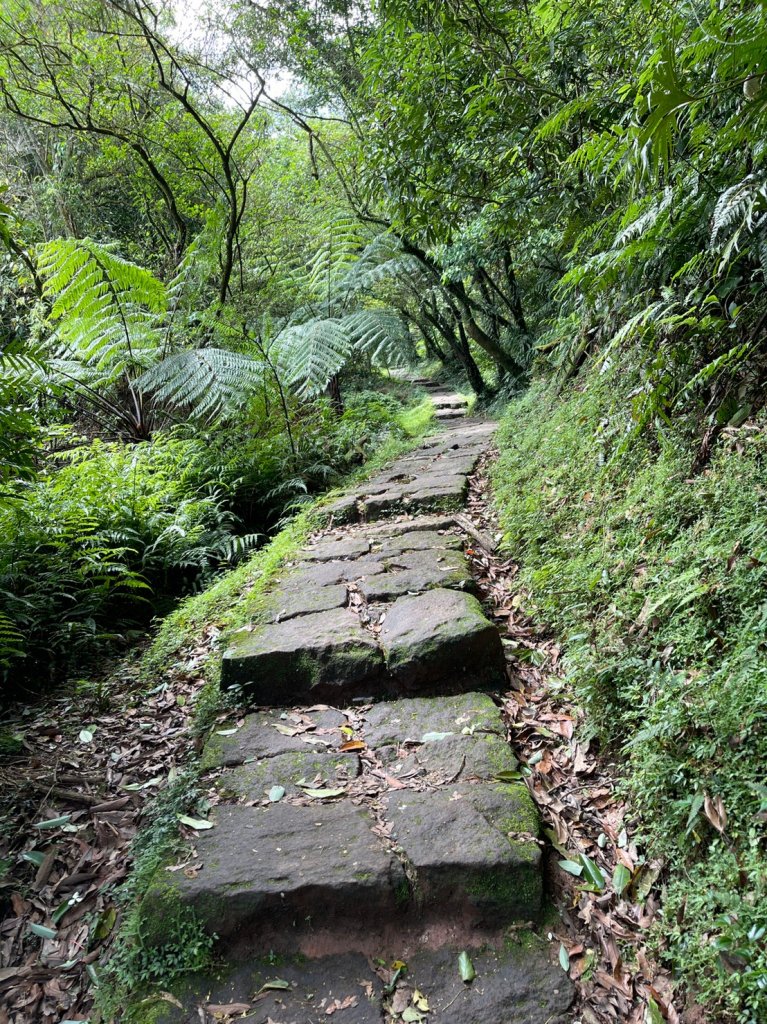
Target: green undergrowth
[654,578]
[139,967]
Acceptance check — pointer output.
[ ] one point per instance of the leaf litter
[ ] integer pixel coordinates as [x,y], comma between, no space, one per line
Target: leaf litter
[70,810]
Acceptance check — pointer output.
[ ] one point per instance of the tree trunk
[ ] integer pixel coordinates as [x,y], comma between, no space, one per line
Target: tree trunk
[457,291]
[459,345]
[334,393]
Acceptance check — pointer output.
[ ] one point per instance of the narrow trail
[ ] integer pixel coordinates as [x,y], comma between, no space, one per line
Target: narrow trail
[369,812]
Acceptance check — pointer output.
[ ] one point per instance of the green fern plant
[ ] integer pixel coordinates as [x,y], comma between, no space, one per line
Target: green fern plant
[107,314]
[208,382]
[336,319]
[106,308]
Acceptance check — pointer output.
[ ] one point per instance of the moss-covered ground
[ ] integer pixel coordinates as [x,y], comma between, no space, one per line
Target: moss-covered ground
[654,577]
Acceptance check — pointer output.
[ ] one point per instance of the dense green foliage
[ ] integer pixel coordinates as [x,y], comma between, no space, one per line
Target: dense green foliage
[655,580]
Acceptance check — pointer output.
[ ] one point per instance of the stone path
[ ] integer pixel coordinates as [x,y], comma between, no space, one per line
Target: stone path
[369,810]
[448,404]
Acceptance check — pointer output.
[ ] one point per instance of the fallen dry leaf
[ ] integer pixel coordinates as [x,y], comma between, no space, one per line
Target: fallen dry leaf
[340,1004]
[227,1009]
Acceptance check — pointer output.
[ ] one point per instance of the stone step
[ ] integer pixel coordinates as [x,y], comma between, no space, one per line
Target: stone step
[449,413]
[438,640]
[516,984]
[371,612]
[438,395]
[449,402]
[431,479]
[358,843]
[411,823]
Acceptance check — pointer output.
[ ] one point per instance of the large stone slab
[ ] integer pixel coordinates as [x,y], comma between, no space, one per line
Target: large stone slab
[410,524]
[417,540]
[395,723]
[308,575]
[292,602]
[442,638]
[455,758]
[515,985]
[310,767]
[471,846]
[459,461]
[412,572]
[315,991]
[265,734]
[303,659]
[427,493]
[332,548]
[284,867]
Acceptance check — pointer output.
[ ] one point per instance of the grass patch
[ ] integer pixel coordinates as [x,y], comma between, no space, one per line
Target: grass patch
[655,580]
[418,419]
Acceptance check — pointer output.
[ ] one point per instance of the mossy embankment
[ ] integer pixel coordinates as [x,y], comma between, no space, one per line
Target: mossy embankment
[654,577]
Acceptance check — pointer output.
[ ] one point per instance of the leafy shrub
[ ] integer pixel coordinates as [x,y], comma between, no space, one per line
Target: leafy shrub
[111,534]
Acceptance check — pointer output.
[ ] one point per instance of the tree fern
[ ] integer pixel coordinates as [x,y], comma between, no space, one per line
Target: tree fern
[312,353]
[382,334]
[343,239]
[19,366]
[383,259]
[107,310]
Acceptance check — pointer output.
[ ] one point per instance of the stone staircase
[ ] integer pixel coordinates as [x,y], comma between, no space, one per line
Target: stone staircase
[370,824]
[448,403]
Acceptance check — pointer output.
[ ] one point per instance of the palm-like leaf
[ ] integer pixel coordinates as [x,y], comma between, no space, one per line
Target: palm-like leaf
[312,353]
[108,310]
[208,381]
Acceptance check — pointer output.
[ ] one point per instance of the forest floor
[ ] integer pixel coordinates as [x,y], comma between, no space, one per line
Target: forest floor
[91,762]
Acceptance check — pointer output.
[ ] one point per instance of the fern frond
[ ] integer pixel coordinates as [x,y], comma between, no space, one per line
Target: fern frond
[383,259]
[313,352]
[645,220]
[382,334]
[107,309]
[740,209]
[209,381]
[344,237]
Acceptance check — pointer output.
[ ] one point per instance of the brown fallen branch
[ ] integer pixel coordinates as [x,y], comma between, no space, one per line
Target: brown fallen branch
[483,539]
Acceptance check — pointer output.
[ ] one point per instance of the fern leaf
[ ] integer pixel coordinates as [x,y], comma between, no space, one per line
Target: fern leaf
[382,334]
[207,381]
[107,309]
[312,353]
